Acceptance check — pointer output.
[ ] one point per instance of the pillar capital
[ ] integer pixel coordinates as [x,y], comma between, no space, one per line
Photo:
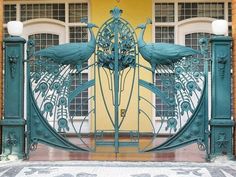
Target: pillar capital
[14,39]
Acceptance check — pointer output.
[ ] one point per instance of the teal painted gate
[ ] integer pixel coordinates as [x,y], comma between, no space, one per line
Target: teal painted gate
[58,92]
[180,87]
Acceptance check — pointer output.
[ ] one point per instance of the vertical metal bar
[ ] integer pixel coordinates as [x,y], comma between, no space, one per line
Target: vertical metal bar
[94,101]
[138,105]
[116,88]
[28,101]
[206,108]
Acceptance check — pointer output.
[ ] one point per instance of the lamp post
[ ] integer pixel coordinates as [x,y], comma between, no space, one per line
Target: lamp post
[221,123]
[13,123]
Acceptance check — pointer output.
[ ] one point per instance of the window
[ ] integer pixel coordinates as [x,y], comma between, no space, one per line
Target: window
[164,12]
[77,11]
[168,22]
[230,31]
[41,41]
[192,40]
[166,87]
[5,33]
[78,34]
[164,34]
[79,105]
[44,40]
[230,12]
[9,13]
[191,10]
[33,11]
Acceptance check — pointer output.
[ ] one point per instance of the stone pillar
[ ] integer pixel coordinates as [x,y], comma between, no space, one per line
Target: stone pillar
[221,123]
[13,124]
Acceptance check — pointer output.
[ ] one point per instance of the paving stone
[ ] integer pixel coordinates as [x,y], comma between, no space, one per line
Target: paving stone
[116,169]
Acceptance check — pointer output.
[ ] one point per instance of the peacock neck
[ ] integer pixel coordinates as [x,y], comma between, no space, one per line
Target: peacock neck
[92,38]
[141,42]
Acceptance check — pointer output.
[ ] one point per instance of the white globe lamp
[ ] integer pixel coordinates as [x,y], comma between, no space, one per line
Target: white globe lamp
[15,28]
[220,27]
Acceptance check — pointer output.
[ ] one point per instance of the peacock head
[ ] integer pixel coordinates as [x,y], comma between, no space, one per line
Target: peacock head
[149,21]
[141,26]
[91,25]
[144,25]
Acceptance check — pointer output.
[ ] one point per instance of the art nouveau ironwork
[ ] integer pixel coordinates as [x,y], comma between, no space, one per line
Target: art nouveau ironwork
[179,86]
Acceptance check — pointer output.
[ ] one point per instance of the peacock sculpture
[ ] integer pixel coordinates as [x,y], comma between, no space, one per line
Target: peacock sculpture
[161,53]
[59,91]
[74,54]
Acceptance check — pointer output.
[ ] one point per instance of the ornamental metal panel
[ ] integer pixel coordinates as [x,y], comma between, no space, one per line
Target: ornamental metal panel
[179,87]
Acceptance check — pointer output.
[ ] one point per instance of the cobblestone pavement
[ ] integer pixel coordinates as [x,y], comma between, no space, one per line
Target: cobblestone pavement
[116,169]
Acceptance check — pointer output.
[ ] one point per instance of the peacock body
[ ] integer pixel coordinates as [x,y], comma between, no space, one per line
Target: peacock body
[71,53]
[162,53]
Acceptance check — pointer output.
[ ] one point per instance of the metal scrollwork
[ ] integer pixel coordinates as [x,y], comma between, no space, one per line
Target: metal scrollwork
[106,44]
[63,125]
[204,46]
[57,85]
[116,55]
[201,145]
[183,83]
[30,48]
[34,145]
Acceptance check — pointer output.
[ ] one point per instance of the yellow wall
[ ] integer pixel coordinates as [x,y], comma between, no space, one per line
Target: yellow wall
[136,12]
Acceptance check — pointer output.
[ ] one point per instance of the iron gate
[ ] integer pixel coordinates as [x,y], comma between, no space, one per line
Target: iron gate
[56,81]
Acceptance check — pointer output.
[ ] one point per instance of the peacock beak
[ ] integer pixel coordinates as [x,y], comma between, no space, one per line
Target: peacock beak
[95,26]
